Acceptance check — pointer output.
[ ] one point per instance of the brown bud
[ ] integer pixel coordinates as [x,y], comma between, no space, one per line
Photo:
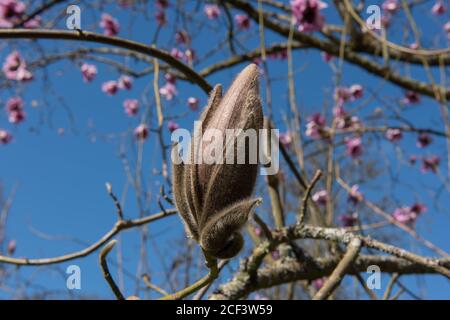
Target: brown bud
[214,198]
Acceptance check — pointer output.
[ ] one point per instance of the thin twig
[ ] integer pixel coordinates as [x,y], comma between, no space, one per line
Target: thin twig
[105,269]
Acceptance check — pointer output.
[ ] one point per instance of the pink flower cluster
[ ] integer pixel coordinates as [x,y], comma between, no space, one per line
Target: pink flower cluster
[307,14]
[242,21]
[169,90]
[14,109]
[409,215]
[15,68]
[394,134]
[438,8]
[344,94]
[88,71]
[141,132]
[354,147]
[131,107]
[12,14]
[315,127]
[212,11]
[349,220]
[192,103]
[320,197]
[112,87]
[286,139]
[109,25]
[160,15]
[5,137]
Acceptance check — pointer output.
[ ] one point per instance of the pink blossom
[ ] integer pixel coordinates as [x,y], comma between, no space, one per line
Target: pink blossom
[212,11]
[409,215]
[391,6]
[394,134]
[11,12]
[110,87]
[411,97]
[172,126]
[320,197]
[177,54]
[423,140]
[258,231]
[348,220]
[125,82]
[192,103]
[354,147]
[356,91]
[414,46]
[189,55]
[242,21]
[160,17]
[11,248]
[14,108]
[307,14]
[88,71]
[286,139]
[15,68]
[131,107]
[168,91]
[5,137]
[110,25]
[438,8]
[354,195]
[170,78]
[430,163]
[315,126]
[141,132]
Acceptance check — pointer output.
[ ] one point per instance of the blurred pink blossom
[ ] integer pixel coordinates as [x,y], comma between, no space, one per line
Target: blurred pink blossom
[320,197]
[315,126]
[88,71]
[160,17]
[286,139]
[430,163]
[391,6]
[192,103]
[172,126]
[125,82]
[307,14]
[5,137]
[348,220]
[110,87]
[131,107]
[438,8]
[423,140]
[11,12]
[408,215]
[109,24]
[168,91]
[141,132]
[411,97]
[15,68]
[354,147]
[212,11]
[177,54]
[394,134]
[242,21]
[182,37]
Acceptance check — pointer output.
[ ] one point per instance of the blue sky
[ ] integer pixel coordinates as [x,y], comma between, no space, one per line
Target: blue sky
[60,178]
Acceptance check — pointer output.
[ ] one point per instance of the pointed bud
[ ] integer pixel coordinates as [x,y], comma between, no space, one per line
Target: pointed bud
[213,198]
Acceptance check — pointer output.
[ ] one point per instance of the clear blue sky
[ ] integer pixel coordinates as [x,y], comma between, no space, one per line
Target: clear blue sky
[61,179]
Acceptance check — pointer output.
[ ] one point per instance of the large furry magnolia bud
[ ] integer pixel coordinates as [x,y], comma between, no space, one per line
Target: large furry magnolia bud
[214,198]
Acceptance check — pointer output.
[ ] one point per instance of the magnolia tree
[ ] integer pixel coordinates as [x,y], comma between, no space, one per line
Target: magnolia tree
[343,104]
